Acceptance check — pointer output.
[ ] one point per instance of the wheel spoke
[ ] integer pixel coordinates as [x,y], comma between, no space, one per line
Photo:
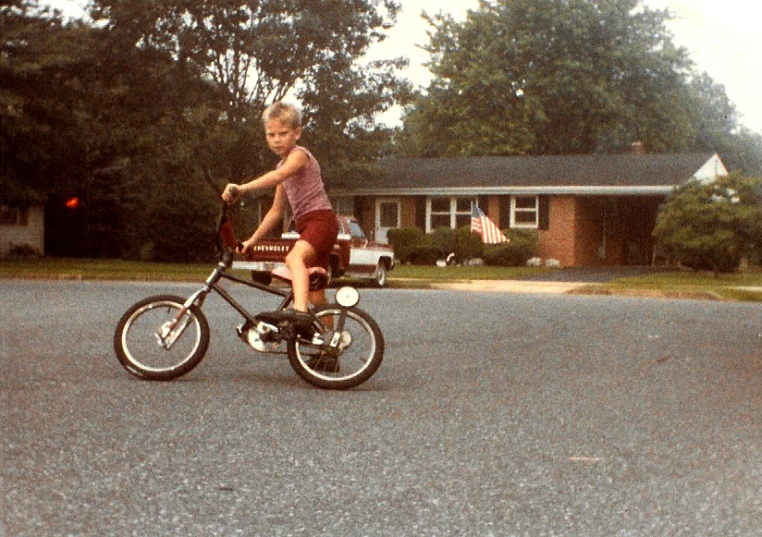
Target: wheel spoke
[152,342]
[360,350]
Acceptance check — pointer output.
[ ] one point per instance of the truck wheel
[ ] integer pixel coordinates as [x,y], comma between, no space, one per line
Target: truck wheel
[380,275]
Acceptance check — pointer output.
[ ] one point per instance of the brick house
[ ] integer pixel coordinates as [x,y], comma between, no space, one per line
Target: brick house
[589,209]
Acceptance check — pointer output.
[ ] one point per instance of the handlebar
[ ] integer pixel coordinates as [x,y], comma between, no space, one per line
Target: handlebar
[227,243]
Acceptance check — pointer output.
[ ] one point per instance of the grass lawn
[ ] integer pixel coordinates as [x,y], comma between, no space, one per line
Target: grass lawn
[742,286]
[436,274]
[102,269]
[745,286]
[115,269]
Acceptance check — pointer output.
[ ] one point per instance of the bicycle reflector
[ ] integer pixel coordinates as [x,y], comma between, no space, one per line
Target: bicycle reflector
[347,297]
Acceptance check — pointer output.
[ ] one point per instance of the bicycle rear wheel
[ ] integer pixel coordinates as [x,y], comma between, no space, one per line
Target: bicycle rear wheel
[156,340]
[361,351]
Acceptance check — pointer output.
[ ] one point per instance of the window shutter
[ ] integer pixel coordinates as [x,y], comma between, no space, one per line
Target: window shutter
[544,216]
[505,212]
[420,212]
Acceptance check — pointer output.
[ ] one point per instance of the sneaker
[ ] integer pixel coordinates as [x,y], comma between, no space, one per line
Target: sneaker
[297,318]
[302,321]
[324,363]
[345,342]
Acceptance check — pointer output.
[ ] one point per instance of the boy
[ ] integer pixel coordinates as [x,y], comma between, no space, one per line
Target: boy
[298,182]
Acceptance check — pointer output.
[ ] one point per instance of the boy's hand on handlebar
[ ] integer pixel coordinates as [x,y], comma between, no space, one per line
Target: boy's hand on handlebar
[230,194]
[244,248]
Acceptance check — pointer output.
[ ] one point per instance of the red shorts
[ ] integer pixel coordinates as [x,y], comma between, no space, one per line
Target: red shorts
[320,229]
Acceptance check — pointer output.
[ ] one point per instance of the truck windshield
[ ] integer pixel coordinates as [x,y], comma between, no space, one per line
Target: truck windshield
[356,231]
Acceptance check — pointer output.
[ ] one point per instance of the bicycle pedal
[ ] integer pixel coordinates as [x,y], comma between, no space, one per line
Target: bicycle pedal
[317,339]
[240,332]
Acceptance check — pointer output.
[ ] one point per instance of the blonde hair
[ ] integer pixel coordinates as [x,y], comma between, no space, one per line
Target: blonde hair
[284,112]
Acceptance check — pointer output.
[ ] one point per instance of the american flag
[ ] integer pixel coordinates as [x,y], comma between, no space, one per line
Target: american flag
[486,228]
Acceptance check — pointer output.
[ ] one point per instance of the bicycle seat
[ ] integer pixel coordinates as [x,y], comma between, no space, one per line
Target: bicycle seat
[318,277]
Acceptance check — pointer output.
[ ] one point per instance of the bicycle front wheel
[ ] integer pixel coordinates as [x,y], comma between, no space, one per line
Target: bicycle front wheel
[361,350]
[156,339]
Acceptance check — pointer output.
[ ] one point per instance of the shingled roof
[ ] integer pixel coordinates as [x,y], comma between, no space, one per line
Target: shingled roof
[576,174]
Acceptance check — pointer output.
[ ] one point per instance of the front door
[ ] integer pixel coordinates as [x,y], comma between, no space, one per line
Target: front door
[387,217]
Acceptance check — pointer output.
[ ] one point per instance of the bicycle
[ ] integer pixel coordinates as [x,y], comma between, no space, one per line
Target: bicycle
[164,337]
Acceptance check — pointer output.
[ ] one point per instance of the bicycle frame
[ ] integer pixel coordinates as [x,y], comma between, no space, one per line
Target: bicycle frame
[339,330]
[212,284]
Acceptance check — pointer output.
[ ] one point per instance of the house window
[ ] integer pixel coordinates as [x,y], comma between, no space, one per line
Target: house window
[525,212]
[11,216]
[451,212]
[344,206]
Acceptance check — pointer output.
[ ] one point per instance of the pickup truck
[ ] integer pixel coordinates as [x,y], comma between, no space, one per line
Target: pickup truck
[353,255]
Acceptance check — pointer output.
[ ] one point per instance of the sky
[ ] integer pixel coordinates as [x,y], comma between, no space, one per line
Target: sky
[722,37]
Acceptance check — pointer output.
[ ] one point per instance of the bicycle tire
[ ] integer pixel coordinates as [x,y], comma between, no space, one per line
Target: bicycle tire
[136,341]
[355,367]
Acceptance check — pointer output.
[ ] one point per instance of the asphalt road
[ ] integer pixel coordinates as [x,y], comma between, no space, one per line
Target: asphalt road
[493,414]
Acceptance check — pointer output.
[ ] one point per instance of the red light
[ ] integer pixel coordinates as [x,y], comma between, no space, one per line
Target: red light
[72,203]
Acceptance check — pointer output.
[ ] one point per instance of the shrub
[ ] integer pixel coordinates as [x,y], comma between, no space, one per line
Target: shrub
[712,225]
[443,239]
[729,261]
[405,240]
[469,245]
[23,251]
[425,255]
[523,246]
[412,245]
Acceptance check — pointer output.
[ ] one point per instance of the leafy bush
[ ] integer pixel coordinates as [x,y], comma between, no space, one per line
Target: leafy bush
[443,239]
[712,226]
[425,255]
[405,240]
[446,241]
[412,245]
[729,261]
[469,245]
[23,251]
[523,246]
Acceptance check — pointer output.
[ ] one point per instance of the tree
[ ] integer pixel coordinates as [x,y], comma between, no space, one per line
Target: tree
[45,140]
[553,77]
[125,112]
[743,152]
[252,53]
[83,117]
[258,52]
[714,121]
[39,145]
[712,225]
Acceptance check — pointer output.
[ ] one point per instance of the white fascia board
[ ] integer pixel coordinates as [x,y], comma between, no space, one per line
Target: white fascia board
[650,190]
[710,171]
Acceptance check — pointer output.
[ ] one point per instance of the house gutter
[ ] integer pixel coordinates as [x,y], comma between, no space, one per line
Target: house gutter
[652,190]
